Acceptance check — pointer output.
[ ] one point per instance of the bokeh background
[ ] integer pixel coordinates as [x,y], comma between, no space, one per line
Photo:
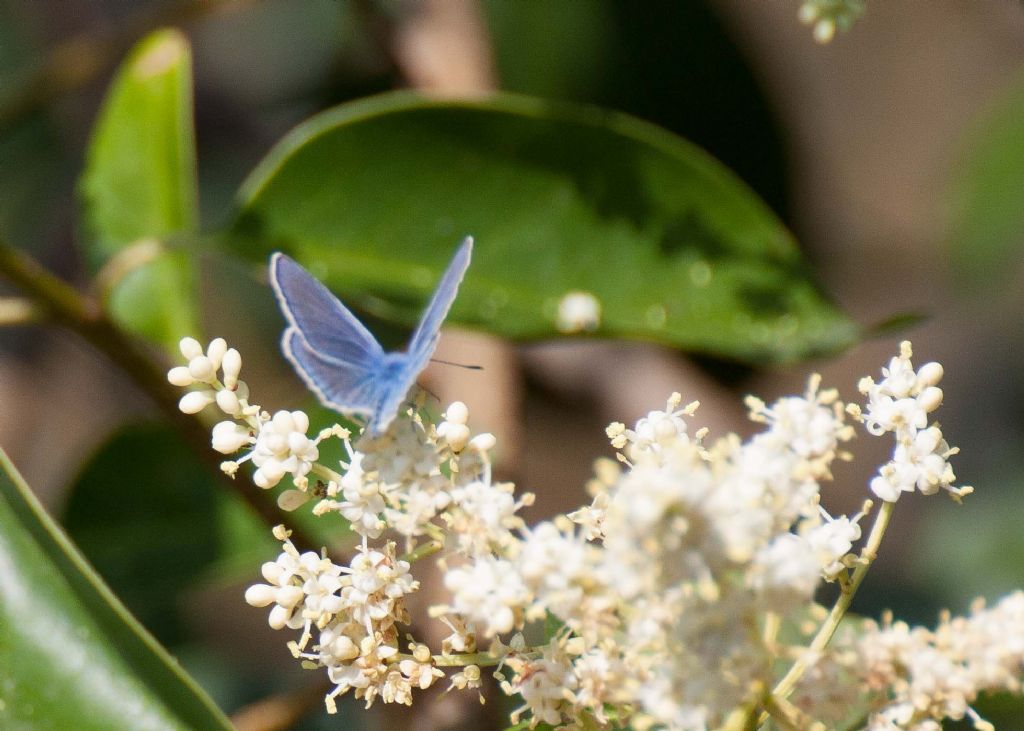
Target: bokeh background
[869,148]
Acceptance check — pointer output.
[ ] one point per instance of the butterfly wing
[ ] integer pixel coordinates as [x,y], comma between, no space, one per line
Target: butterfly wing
[402,368]
[333,353]
[428,332]
[327,326]
[340,385]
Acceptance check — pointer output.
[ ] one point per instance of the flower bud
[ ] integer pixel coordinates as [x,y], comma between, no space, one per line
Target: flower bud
[180,376]
[269,474]
[195,401]
[283,422]
[215,351]
[456,413]
[289,596]
[231,365]
[228,402]
[229,437]
[201,368]
[260,595]
[931,398]
[457,436]
[271,571]
[930,374]
[279,617]
[483,442]
[190,348]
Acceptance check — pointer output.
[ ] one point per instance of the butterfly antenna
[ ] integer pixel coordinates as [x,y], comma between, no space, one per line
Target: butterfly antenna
[457,365]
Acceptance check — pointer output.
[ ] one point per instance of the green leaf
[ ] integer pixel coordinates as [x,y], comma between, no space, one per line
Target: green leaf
[71,656]
[139,189]
[152,520]
[374,196]
[144,511]
[986,231]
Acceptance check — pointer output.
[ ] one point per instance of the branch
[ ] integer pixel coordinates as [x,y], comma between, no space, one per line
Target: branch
[84,316]
[19,311]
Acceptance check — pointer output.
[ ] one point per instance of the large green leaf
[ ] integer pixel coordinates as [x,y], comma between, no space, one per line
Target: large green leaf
[71,656]
[986,232]
[145,511]
[139,186]
[373,196]
[151,518]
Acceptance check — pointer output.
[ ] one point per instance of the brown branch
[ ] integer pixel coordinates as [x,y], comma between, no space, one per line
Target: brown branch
[84,316]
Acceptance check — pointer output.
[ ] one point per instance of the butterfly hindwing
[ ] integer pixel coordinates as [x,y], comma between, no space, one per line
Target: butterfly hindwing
[341,386]
[327,326]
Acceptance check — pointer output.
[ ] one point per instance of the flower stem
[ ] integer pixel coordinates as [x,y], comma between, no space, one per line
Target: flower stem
[422,551]
[842,605]
[482,659]
[325,472]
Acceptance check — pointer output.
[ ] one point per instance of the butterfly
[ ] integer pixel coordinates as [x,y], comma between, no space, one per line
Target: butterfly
[339,359]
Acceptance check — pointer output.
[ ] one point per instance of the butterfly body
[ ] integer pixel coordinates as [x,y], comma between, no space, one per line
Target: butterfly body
[339,359]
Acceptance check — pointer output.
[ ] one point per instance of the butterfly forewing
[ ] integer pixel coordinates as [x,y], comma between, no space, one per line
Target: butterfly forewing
[328,327]
[425,336]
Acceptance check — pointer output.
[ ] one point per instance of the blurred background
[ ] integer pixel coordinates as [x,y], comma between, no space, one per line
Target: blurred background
[870,149]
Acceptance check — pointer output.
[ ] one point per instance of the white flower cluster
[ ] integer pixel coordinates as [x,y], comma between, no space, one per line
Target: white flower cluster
[914,677]
[900,403]
[663,597]
[279,442]
[354,610]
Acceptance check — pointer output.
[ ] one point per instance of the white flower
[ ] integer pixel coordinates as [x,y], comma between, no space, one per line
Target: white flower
[545,684]
[831,541]
[919,463]
[363,503]
[230,436]
[902,399]
[482,516]
[292,580]
[282,447]
[453,429]
[786,572]
[488,591]
[556,566]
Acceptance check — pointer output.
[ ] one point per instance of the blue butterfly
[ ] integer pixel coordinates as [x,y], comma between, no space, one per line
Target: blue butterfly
[338,358]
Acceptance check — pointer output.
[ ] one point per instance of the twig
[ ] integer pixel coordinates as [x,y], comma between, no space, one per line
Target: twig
[842,605]
[84,316]
[19,311]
